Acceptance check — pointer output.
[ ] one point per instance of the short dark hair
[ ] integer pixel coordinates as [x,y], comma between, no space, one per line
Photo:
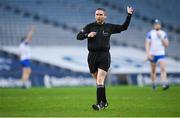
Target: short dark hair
[104,10]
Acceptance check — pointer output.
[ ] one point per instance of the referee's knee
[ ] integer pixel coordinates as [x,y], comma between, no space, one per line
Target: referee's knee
[101,75]
[100,82]
[101,79]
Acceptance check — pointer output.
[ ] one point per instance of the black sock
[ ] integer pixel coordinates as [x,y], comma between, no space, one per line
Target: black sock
[104,95]
[100,89]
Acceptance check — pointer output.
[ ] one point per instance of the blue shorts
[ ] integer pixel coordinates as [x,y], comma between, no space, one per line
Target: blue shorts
[157,58]
[26,63]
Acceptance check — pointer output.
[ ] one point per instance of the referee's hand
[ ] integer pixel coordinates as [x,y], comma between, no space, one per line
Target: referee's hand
[130,10]
[91,34]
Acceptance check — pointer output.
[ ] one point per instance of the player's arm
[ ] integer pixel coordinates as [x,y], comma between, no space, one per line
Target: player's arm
[147,46]
[165,43]
[124,26]
[30,34]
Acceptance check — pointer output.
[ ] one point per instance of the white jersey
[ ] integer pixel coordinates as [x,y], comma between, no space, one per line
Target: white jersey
[156,48]
[25,52]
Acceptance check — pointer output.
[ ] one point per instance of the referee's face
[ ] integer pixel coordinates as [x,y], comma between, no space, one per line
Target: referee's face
[100,16]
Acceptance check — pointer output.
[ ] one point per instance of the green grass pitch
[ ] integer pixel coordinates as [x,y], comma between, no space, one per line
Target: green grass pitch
[77,101]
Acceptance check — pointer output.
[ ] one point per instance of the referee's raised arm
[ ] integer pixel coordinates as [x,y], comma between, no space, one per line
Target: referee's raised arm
[128,18]
[124,26]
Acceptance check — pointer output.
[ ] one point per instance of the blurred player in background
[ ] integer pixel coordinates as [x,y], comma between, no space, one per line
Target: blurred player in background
[25,55]
[155,44]
[98,34]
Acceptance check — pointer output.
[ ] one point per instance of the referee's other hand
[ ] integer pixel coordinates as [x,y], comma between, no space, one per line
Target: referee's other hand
[92,34]
[130,10]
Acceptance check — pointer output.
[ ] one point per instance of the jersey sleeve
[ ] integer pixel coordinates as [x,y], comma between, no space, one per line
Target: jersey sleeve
[148,36]
[83,33]
[165,37]
[115,28]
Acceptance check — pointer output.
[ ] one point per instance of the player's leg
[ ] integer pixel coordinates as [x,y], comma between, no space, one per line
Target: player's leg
[94,75]
[101,98]
[25,76]
[28,72]
[93,65]
[164,80]
[103,66]
[101,83]
[153,75]
[101,76]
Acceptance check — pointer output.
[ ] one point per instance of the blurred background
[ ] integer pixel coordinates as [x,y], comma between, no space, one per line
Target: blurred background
[58,59]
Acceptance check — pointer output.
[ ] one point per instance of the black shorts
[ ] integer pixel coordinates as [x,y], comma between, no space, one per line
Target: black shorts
[100,60]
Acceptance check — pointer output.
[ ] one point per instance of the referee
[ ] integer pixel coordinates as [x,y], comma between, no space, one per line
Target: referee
[98,34]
